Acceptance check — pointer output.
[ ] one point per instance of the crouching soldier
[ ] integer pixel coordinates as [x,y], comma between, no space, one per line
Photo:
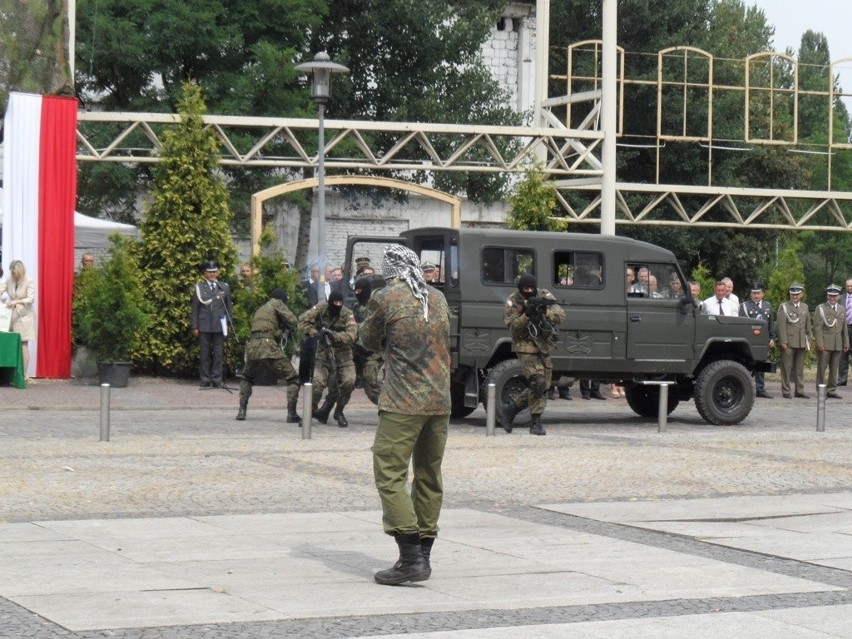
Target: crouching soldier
[337,331]
[269,324]
[531,315]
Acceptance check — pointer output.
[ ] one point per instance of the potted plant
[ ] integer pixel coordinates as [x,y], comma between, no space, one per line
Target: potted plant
[113,312]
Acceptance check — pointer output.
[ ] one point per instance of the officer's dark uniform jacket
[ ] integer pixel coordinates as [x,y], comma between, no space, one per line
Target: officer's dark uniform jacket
[759,310]
[268,325]
[523,340]
[210,306]
[344,327]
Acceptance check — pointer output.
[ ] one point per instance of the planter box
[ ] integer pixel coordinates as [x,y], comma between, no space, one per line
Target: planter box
[116,374]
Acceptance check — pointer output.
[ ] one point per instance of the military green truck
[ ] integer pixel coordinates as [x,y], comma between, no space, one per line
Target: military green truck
[630,318]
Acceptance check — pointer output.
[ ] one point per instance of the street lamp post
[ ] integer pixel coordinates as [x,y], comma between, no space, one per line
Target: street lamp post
[322,67]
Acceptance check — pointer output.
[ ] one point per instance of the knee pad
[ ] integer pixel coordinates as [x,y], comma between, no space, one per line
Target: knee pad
[538,385]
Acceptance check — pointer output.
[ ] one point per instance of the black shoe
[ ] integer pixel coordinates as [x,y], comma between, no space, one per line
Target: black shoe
[204,385]
[843,383]
[551,395]
[509,410]
[321,414]
[786,396]
[409,567]
[587,396]
[341,419]
[833,396]
[764,394]
[565,394]
[597,396]
[241,413]
[536,428]
[803,395]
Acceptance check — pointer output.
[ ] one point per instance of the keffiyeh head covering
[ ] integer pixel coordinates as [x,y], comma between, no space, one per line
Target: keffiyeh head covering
[400,261]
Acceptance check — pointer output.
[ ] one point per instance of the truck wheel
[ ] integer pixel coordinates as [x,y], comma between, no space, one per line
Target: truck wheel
[724,393]
[644,399]
[509,380]
[458,409]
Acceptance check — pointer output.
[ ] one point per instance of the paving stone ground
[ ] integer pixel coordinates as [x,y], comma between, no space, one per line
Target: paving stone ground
[177,452]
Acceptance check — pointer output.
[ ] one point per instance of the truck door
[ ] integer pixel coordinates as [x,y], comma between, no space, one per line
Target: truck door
[660,327]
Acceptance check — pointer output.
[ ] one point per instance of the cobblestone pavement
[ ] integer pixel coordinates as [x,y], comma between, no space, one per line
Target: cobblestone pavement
[176,451]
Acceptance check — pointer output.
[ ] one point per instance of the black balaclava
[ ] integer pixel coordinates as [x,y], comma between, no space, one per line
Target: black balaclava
[526,281]
[335,303]
[279,294]
[363,288]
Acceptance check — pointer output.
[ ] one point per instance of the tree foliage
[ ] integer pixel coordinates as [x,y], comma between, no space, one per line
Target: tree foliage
[33,48]
[187,223]
[533,203]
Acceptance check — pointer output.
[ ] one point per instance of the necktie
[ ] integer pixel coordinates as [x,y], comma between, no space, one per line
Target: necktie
[211,286]
[721,311]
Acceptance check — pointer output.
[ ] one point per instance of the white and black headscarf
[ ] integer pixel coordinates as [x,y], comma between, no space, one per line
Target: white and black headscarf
[400,261]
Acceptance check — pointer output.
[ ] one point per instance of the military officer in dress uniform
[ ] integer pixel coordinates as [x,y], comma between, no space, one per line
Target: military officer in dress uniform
[269,323]
[831,337]
[794,329]
[211,314]
[335,326]
[759,308]
[533,339]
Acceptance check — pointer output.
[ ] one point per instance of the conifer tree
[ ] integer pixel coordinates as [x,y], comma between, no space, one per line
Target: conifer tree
[188,222]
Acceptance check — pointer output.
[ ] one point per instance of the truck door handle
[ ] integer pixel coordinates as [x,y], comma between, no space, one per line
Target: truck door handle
[635,318]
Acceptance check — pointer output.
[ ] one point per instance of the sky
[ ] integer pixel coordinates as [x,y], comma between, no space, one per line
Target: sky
[832,18]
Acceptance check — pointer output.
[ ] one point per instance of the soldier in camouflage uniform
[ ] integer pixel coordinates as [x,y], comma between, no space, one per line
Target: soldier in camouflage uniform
[270,322]
[337,331]
[409,321]
[533,339]
[371,362]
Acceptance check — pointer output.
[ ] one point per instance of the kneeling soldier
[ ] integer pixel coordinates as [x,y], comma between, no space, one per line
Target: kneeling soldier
[337,330]
[270,322]
[531,316]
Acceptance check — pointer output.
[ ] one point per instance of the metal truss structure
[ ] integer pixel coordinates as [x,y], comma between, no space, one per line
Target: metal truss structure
[567,145]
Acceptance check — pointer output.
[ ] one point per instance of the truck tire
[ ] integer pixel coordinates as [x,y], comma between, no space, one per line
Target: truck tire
[458,409]
[644,399]
[509,380]
[724,393]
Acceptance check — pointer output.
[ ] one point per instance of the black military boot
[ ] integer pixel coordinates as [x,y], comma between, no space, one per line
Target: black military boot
[509,410]
[409,567]
[341,418]
[292,415]
[241,414]
[321,413]
[536,428]
[426,548]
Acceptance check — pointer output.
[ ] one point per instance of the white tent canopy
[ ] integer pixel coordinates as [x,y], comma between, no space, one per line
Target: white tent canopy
[90,232]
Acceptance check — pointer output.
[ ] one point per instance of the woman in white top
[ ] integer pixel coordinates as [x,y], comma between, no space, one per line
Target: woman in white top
[21,294]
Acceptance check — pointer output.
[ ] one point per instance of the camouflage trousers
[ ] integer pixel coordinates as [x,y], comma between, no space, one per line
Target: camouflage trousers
[339,391]
[401,439]
[274,359]
[534,364]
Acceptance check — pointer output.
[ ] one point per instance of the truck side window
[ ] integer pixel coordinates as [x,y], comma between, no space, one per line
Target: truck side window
[503,266]
[578,269]
[654,281]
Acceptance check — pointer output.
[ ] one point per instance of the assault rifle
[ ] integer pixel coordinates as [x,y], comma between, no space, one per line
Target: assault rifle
[535,309]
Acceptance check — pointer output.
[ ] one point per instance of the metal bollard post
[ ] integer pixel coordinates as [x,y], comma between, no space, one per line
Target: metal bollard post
[663,409]
[307,409]
[491,411]
[104,413]
[821,408]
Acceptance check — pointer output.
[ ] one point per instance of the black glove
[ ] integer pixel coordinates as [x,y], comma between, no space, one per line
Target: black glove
[327,335]
[528,310]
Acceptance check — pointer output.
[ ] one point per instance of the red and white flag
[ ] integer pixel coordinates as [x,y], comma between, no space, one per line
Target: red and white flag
[39,195]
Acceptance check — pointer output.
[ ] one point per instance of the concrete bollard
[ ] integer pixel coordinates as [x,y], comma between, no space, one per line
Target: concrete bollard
[491,410]
[307,409]
[104,413]
[821,408]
